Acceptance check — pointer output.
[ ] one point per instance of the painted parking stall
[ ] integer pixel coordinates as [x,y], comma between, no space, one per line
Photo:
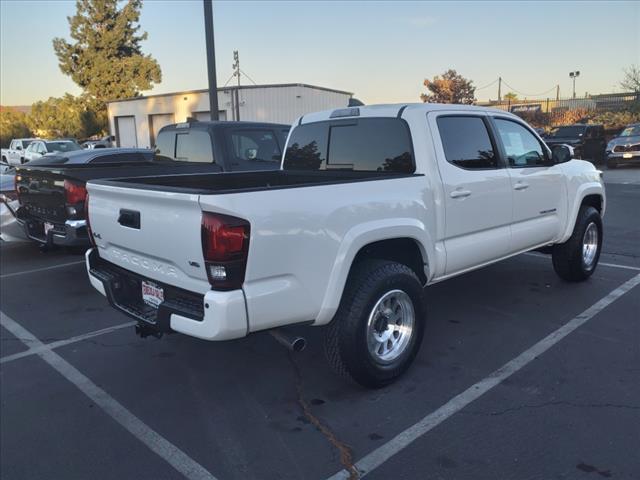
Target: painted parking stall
[521,353]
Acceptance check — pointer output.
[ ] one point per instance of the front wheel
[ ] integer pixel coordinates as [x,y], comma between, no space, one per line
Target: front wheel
[378,329]
[576,259]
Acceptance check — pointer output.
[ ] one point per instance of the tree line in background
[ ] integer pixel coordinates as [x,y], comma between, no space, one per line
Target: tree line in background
[451,87]
[105,59]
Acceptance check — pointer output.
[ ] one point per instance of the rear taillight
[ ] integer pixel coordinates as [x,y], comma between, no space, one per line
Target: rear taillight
[225,247]
[74,192]
[86,216]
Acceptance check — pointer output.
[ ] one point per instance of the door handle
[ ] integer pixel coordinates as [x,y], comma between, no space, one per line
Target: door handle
[129,218]
[521,186]
[460,193]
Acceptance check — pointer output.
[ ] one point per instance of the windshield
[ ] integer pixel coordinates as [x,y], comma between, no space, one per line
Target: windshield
[631,131]
[26,143]
[62,146]
[571,131]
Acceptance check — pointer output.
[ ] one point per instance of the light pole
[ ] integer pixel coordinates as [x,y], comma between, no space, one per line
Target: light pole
[574,75]
[211,59]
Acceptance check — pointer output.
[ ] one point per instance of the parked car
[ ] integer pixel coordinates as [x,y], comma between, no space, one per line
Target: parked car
[39,148]
[9,228]
[588,141]
[52,188]
[14,155]
[625,148]
[371,204]
[104,142]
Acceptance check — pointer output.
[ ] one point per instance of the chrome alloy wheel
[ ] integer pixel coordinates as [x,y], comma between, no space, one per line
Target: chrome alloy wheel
[390,326]
[590,245]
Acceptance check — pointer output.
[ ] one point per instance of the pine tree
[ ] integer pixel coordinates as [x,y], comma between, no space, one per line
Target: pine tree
[105,58]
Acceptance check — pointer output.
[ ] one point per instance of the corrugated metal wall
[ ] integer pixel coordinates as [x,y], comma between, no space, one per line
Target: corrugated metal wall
[280,104]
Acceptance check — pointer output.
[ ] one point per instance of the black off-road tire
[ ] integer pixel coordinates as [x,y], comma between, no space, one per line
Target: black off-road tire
[567,257]
[346,336]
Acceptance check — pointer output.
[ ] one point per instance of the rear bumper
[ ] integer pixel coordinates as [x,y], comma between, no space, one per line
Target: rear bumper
[212,316]
[71,233]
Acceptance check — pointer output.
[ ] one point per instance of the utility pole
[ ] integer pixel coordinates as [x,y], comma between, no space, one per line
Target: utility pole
[574,75]
[558,93]
[499,89]
[236,73]
[211,60]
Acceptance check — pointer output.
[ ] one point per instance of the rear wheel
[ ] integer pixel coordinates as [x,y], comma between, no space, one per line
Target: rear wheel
[576,259]
[378,328]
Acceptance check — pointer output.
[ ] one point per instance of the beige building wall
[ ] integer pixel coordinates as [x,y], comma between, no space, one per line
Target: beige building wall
[278,104]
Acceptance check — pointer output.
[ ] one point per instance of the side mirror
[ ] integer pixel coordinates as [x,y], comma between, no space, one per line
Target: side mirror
[18,147]
[562,153]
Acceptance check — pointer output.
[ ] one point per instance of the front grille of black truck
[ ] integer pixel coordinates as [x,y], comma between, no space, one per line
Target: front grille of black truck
[125,293]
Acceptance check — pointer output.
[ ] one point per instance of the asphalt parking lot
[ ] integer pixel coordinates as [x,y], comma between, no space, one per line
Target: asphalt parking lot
[521,376]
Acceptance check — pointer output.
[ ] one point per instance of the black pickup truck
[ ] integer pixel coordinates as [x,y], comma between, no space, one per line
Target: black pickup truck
[588,141]
[51,190]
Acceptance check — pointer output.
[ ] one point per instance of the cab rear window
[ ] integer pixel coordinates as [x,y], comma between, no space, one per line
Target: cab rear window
[364,144]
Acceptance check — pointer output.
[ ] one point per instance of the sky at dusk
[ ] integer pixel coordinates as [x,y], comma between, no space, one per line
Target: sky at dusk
[381,51]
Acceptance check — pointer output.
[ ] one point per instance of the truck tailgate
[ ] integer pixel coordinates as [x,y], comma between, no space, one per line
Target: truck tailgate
[42,194]
[154,234]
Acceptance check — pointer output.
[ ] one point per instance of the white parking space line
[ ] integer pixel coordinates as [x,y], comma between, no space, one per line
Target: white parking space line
[615,265]
[43,269]
[401,441]
[603,264]
[152,439]
[61,343]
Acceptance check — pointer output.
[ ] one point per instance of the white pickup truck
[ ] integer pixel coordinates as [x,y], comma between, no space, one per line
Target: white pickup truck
[15,154]
[371,204]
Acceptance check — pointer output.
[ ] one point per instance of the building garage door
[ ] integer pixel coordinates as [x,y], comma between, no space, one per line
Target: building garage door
[205,117]
[156,122]
[126,132]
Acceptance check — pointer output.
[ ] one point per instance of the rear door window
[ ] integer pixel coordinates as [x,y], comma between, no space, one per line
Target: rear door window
[466,142]
[366,144]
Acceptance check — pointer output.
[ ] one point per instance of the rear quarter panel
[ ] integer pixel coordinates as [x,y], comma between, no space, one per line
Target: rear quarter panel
[303,241]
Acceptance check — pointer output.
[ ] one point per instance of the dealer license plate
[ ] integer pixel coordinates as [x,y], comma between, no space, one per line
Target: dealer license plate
[152,294]
[47,226]
[627,155]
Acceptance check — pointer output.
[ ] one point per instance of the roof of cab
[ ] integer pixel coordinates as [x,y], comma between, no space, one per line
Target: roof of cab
[392,110]
[209,124]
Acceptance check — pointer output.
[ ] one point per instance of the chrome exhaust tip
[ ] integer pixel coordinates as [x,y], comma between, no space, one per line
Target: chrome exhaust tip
[293,343]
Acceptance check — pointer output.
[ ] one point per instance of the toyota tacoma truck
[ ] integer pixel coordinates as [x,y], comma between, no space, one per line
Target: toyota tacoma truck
[370,205]
[51,189]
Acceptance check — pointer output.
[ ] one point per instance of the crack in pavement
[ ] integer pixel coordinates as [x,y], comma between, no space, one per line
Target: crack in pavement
[552,404]
[346,456]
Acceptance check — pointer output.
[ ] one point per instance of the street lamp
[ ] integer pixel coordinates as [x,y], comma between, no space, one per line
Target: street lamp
[573,75]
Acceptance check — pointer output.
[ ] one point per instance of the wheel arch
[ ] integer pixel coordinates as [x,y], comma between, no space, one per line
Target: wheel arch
[403,240]
[591,195]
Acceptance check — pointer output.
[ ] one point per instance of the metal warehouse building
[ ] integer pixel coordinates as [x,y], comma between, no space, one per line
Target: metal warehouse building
[135,122]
